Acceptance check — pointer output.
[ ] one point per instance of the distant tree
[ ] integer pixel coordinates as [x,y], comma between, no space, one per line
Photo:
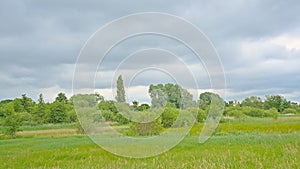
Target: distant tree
[206,99]
[252,101]
[120,90]
[61,97]
[276,101]
[99,98]
[108,105]
[57,113]
[143,107]
[186,99]
[135,104]
[40,111]
[27,103]
[17,105]
[173,93]
[86,100]
[158,96]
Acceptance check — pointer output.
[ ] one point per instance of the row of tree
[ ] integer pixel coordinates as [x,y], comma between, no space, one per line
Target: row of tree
[166,100]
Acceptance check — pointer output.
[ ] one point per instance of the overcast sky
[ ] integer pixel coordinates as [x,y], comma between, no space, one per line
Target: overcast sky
[258,44]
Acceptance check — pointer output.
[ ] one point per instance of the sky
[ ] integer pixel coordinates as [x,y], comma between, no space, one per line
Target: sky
[258,43]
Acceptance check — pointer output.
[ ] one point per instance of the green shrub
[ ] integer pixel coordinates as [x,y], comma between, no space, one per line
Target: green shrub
[145,129]
[169,116]
[120,119]
[11,122]
[201,116]
[107,115]
[271,113]
[289,111]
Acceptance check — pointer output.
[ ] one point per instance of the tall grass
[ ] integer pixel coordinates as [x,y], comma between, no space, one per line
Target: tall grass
[231,151]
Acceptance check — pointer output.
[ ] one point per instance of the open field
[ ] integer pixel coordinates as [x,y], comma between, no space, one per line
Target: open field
[252,143]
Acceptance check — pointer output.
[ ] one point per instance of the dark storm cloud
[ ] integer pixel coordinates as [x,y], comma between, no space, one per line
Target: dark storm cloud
[40,42]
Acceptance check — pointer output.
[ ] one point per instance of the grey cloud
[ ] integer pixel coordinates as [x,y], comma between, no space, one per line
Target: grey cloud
[40,41]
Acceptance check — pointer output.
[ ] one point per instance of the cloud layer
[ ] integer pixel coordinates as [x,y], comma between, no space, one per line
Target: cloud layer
[258,43]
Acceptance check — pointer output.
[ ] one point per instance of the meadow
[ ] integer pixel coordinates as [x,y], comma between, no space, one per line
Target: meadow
[239,143]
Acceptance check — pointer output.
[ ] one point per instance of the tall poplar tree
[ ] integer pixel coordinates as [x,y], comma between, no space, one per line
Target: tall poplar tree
[120,90]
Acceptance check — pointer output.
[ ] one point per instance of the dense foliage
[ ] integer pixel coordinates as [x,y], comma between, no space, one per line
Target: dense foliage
[168,101]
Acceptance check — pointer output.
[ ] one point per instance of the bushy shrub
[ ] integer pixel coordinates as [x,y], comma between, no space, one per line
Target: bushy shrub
[235,112]
[289,111]
[107,115]
[201,115]
[145,129]
[120,119]
[169,116]
[11,122]
[271,113]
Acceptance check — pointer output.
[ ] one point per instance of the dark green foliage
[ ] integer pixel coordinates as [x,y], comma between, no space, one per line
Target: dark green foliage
[39,114]
[205,100]
[143,107]
[27,103]
[135,104]
[57,113]
[61,97]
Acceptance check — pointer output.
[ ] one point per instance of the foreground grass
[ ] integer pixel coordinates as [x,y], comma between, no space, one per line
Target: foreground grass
[230,151]
[247,143]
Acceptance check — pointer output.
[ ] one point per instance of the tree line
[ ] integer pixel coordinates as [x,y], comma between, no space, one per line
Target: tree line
[167,100]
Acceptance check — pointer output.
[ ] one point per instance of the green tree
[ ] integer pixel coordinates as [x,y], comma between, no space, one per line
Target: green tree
[169,116]
[158,96]
[11,122]
[135,104]
[143,107]
[27,103]
[61,97]
[252,101]
[207,98]
[108,105]
[120,90]
[40,111]
[276,101]
[57,113]
[161,94]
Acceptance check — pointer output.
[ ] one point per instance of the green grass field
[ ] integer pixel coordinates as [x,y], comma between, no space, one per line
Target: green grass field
[251,143]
